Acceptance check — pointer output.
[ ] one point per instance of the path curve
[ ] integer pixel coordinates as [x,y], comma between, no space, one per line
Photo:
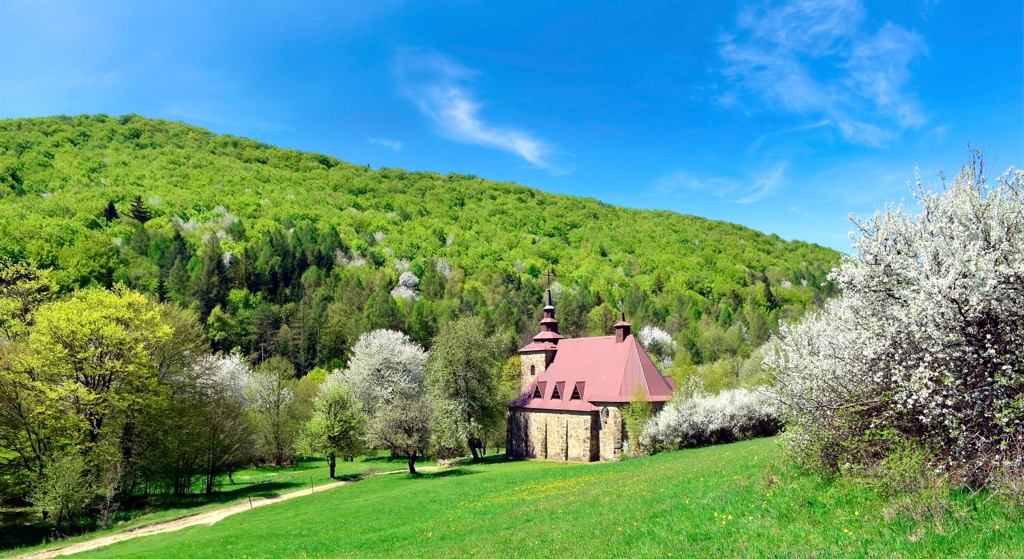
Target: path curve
[207,518]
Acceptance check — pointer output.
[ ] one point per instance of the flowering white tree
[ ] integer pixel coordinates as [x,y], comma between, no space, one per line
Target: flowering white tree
[926,341]
[383,362]
[226,435]
[659,344]
[406,287]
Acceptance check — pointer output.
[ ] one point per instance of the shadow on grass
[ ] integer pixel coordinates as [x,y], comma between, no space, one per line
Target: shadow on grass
[23,533]
[26,530]
[267,489]
[398,462]
[495,459]
[440,474]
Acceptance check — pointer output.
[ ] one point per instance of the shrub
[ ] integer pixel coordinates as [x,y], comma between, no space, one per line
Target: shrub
[701,419]
[926,340]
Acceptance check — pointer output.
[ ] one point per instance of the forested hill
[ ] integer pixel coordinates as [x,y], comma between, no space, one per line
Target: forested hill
[299,253]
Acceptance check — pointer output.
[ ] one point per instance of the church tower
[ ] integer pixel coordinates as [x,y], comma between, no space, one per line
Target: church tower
[538,355]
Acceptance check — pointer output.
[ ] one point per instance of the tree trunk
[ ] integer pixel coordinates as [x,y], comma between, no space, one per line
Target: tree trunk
[331,461]
[412,463]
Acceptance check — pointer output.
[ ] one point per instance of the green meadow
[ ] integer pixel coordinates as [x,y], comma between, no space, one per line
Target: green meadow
[21,530]
[738,500]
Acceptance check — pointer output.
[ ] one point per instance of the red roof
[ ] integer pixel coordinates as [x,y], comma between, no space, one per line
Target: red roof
[602,370]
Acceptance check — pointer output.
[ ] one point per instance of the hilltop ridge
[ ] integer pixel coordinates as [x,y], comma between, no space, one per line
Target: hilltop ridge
[299,253]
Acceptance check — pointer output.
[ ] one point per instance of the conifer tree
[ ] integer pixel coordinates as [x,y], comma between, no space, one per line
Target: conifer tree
[139,210]
[110,212]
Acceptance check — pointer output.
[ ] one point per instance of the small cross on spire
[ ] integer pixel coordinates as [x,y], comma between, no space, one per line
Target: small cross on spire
[551,275]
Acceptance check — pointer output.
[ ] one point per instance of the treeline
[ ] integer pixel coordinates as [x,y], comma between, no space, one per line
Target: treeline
[297,254]
[110,395]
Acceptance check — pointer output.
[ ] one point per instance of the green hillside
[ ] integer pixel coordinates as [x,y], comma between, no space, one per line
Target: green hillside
[298,253]
[727,501]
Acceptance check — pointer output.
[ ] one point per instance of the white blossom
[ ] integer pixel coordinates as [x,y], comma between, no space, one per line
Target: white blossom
[927,337]
[443,267]
[659,345]
[384,362]
[406,287]
[695,418]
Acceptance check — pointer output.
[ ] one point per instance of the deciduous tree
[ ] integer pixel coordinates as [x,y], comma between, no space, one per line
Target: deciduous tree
[403,427]
[462,379]
[338,425]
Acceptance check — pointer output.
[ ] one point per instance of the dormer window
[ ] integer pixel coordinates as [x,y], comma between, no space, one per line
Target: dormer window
[555,394]
[536,393]
[575,394]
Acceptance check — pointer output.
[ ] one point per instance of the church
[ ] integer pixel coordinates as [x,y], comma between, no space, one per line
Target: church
[573,392]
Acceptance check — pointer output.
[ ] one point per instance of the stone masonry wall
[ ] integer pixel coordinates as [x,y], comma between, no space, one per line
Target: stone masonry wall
[537,360]
[551,435]
[611,434]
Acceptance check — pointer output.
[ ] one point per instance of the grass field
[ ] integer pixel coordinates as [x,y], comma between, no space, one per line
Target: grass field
[16,533]
[728,501]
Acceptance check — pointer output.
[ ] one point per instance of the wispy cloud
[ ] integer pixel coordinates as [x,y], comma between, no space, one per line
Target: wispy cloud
[440,88]
[804,214]
[396,145]
[814,58]
[746,190]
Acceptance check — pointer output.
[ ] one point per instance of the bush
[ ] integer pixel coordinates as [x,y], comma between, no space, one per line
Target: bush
[64,493]
[701,419]
[926,341]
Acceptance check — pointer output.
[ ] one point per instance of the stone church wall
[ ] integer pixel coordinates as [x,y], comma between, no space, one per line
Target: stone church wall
[552,435]
[611,434]
[536,360]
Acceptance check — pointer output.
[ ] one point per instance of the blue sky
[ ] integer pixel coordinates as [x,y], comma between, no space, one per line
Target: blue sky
[785,116]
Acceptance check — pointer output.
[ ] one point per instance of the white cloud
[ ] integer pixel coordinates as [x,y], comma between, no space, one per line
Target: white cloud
[439,87]
[812,57]
[745,190]
[391,144]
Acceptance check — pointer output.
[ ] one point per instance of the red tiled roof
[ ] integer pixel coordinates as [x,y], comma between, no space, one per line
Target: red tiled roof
[604,372]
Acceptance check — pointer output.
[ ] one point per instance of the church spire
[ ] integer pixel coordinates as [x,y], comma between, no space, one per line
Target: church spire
[548,324]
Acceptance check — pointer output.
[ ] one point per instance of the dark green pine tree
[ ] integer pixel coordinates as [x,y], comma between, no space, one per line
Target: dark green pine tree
[110,212]
[178,283]
[211,279]
[381,311]
[139,210]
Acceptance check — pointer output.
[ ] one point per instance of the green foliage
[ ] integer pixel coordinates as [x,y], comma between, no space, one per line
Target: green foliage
[64,492]
[338,425]
[510,378]
[23,288]
[272,405]
[139,211]
[636,415]
[110,212]
[462,381]
[217,215]
[404,427]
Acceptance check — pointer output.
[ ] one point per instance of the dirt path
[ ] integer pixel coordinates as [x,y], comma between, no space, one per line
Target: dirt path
[207,518]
